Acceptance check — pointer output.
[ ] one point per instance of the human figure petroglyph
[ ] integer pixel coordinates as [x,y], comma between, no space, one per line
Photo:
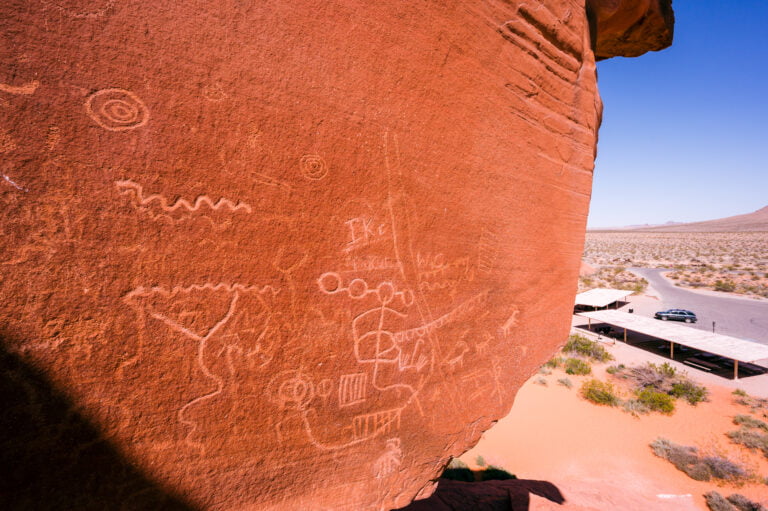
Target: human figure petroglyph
[117,109]
[159,207]
[390,460]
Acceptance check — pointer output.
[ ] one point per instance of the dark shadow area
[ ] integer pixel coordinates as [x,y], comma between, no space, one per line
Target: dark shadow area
[611,306]
[692,357]
[508,495]
[52,458]
[490,489]
[467,475]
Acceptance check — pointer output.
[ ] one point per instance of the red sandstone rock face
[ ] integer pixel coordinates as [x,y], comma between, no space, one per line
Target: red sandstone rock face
[629,29]
[281,256]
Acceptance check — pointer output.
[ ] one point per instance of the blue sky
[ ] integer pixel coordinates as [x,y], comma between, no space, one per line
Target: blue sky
[685,130]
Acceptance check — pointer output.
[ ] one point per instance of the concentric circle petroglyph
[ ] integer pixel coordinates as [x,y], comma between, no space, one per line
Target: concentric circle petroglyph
[313,167]
[117,109]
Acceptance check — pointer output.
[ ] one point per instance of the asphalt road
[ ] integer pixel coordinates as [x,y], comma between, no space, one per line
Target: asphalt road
[746,319]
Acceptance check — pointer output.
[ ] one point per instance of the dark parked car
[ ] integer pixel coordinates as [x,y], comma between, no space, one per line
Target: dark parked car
[677,315]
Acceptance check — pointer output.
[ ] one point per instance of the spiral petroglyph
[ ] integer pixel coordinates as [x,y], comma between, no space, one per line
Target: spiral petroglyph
[117,109]
[313,167]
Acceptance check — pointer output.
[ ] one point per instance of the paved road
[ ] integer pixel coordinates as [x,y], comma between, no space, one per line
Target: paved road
[747,319]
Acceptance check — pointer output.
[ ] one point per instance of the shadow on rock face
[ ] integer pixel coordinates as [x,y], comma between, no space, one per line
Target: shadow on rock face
[493,495]
[51,457]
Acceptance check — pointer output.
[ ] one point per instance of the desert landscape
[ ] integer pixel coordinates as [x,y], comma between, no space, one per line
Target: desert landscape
[701,255]
[613,427]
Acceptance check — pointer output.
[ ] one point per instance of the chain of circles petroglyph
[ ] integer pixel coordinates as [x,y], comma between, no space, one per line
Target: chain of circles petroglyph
[313,167]
[117,109]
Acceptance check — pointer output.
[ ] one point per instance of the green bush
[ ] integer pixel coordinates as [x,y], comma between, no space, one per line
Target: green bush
[689,391]
[565,382]
[657,401]
[599,392]
[577,366]
[553,362]
[725,285]
[591,349]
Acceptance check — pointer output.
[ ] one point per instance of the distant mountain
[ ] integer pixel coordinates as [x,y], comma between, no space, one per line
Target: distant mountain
[751,222]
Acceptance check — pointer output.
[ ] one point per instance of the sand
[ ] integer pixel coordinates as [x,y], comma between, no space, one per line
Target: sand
[599,457]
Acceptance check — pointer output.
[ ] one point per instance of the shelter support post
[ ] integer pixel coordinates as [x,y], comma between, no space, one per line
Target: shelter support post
[625,336]
[735,369]
[589,324]
[671,350]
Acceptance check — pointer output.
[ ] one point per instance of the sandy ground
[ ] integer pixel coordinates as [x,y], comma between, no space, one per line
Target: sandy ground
[599,457]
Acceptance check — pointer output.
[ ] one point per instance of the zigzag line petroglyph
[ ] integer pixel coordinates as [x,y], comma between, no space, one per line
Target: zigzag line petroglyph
[127,187]
[26,89]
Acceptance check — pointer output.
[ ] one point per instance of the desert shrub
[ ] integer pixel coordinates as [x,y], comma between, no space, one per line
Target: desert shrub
[743,503]
[457,463]
[545,370]
[591,349]
[634,407]
[750,422]
[553,362]
[541,381]
[689,391]
[716,502]
[725,469]
[612,369]
[740,392]
[750,439]
[725,285]
[577,366]
[480,461]
[657,401]
[701,468]
[565,382]
[599,392]
[683,457]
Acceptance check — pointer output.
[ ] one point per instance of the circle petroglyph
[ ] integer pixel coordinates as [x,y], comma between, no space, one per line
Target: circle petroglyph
[313,167]
[117,109]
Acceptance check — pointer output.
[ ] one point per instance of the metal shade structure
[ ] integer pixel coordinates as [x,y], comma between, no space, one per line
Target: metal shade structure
[739,350]
[601,297]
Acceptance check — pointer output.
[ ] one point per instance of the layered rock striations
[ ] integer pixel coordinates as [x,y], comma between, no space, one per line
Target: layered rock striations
[281,255]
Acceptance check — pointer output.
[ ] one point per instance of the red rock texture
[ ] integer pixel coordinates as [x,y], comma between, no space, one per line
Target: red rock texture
[629,29]
[280,255]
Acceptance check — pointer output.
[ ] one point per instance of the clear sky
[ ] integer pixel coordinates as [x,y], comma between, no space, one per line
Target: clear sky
[685,130]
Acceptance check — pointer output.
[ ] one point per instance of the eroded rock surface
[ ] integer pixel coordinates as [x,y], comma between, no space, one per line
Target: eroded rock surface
[282,255]
[629,29]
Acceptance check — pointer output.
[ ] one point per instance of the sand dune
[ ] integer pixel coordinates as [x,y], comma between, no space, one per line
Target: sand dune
[600,458]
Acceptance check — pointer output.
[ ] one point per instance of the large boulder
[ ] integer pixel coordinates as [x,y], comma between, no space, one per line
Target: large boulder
[280,255]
